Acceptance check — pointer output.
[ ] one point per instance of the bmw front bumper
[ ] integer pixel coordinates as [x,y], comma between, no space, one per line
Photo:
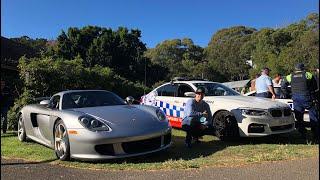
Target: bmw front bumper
[257,126]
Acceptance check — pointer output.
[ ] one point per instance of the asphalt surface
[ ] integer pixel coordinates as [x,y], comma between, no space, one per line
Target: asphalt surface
[285,170]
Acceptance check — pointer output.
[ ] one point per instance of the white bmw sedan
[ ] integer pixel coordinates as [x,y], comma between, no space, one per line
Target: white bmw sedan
[233,114]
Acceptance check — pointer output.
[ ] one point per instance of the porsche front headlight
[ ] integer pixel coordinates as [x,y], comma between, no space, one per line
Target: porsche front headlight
[254,112]
[93,124]
[160,114]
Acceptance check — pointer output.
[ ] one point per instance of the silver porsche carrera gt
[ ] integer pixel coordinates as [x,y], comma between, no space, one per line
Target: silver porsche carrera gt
[94,124]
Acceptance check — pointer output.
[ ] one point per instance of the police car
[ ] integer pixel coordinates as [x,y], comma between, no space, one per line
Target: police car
[233,114]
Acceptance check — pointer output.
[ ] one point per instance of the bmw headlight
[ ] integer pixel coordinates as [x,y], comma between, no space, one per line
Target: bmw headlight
[161,116]
[254,112]
[93,124]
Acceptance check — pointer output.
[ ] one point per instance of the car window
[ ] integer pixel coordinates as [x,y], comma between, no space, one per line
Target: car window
[55,102]
[216,89]
[83,99]
[167,90]
[182,88]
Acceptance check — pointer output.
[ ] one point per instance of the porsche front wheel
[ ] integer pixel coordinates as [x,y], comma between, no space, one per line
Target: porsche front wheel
[61,141]
[21,129]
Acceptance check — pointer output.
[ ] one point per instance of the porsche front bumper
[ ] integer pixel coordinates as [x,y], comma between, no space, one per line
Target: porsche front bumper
[87,145]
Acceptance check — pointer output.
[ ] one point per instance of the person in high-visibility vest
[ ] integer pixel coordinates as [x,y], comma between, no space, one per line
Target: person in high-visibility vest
[303,86]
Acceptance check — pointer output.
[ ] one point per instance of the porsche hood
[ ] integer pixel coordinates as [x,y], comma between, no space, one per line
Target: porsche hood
[124,117]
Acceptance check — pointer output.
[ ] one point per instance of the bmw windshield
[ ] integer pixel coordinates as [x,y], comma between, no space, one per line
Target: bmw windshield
[216,89]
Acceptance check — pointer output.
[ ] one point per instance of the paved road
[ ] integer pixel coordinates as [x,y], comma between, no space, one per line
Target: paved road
[285,170]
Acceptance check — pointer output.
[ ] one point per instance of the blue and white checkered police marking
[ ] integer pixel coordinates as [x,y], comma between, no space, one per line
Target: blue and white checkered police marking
[170,110]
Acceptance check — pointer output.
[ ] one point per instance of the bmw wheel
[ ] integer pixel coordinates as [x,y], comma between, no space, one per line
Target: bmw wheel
[61,141]
[21,129]
[226,127]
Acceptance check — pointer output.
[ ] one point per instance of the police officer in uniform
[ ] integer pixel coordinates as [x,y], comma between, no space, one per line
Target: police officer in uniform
[264,85]
[303,86]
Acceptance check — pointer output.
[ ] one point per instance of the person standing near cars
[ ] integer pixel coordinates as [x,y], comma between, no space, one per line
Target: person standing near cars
[316,75]
[303,87]
[277,80]
[5,104]
[196,111]
[253,83]
[264,86]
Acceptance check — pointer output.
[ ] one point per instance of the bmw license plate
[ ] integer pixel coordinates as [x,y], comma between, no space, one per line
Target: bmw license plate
[284,121]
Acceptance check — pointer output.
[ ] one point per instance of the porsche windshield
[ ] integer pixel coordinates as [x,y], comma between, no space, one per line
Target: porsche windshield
[216,89]
[83,99]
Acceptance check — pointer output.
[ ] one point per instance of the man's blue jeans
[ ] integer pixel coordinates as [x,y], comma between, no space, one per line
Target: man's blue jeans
[302,102]
[264,95]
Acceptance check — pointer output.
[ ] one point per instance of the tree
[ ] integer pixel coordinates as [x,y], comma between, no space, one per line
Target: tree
[224,52]
[180,57]
[122,50]
[281,49]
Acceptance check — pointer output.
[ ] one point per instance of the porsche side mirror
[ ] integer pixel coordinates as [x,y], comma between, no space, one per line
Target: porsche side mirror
[129,100]
[189,94]
[45,102]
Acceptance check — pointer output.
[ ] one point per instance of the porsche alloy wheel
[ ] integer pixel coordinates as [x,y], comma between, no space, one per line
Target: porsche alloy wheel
[226,127]
[21,130]
[61,141]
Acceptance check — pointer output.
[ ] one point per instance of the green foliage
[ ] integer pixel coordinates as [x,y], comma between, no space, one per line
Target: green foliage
[46,76]
[125,88]
[120,50]
[180,57]
[226,52]
[37,46]
[281,49]
[13,113]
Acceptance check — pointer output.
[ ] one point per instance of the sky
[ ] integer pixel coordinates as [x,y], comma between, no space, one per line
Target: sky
[158,20]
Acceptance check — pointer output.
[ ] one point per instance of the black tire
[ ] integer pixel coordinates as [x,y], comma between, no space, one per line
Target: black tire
[21,129]
[225,125]
[61,141]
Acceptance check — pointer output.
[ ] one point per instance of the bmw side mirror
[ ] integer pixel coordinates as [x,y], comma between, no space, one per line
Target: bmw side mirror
[189,94]
[45,102]
[129,100]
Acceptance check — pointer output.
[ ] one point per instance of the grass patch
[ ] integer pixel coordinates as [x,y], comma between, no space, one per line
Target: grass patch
[211,152]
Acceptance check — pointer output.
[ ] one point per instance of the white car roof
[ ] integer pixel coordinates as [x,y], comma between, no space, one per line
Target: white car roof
[191,82]
[194,81]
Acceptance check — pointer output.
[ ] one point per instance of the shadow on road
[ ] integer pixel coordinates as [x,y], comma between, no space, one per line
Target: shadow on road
[289,138]
[22,162]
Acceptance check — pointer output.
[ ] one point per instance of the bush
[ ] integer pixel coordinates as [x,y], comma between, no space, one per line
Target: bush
[126,88]
[13,113]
